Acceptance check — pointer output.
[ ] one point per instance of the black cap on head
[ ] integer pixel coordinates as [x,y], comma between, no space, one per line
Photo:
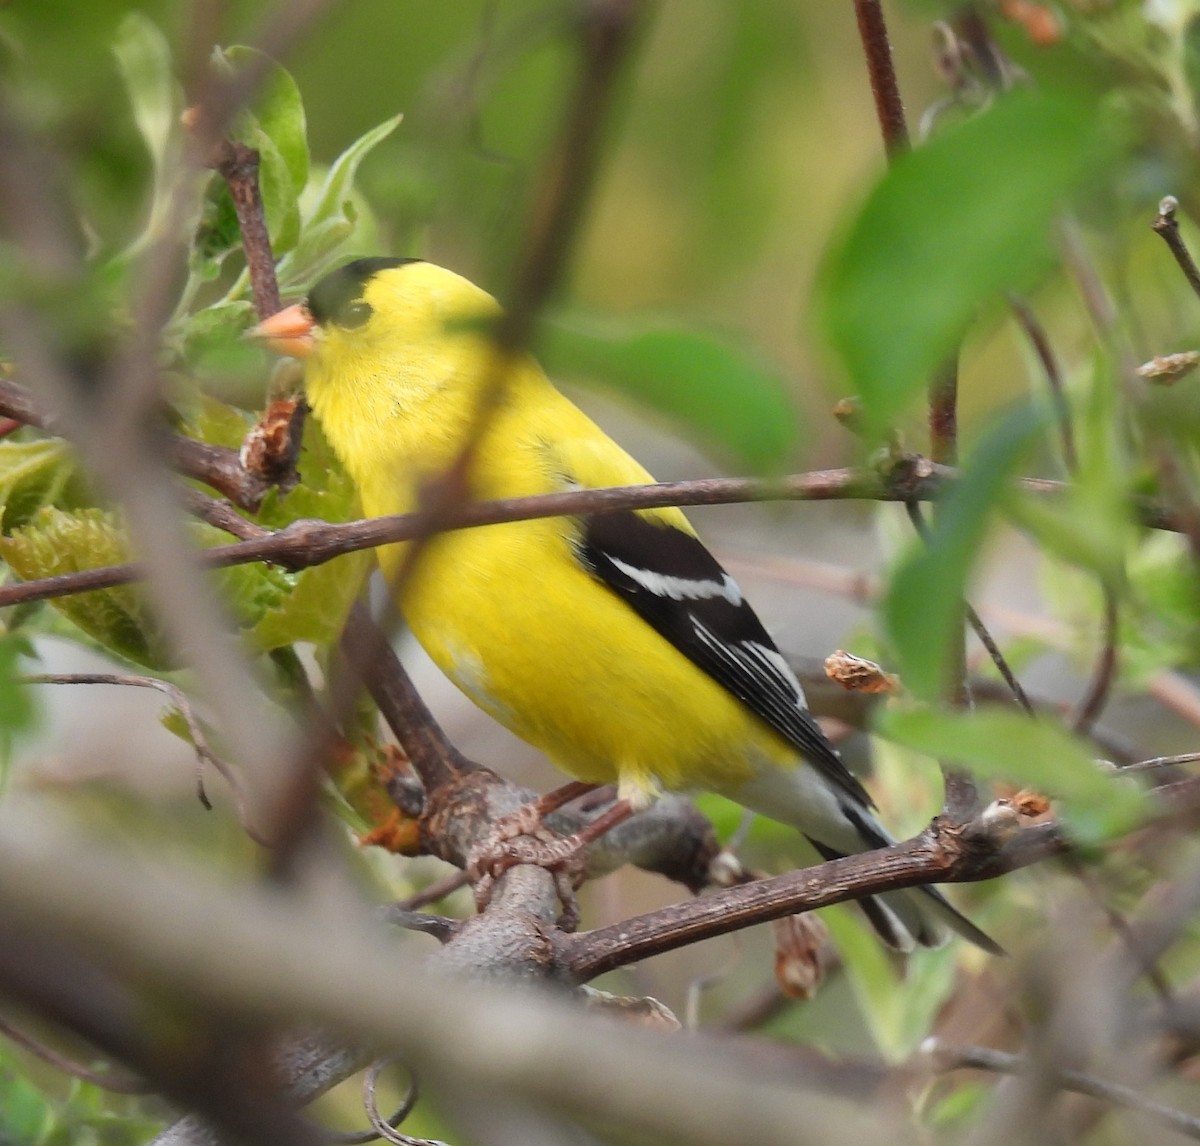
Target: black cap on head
[331,297]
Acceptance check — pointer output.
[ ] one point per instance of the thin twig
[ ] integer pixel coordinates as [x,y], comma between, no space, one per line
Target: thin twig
[204,754]
[117,1083]
[961,794]
[1039,340]
[943,414]
[999,660]
[385,1128]
[961,797]
[370,1081]
[1104,674]
[946,1058]
[439,889]
[1161,762]
[237,164]
[1166,224]
[1126,935]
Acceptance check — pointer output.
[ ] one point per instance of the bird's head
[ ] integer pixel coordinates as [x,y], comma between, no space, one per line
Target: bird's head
[379,310]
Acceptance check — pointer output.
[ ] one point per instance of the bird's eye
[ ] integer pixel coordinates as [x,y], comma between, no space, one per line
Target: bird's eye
[354,314]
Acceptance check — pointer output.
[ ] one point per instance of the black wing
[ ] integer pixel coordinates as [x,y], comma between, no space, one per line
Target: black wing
[674,584]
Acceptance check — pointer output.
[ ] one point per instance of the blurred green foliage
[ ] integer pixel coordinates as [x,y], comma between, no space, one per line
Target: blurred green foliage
[86,1115]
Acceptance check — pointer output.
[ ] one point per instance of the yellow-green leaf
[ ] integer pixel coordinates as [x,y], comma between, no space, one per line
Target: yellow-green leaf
[56,541]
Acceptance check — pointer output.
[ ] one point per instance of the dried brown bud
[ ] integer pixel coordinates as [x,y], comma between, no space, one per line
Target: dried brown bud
[997,823]
[271,448]
[856,674]
[1167,369]
[642,1011]
[398,834]
[1030,804]
[800,944]
[1040,23]
[848,411]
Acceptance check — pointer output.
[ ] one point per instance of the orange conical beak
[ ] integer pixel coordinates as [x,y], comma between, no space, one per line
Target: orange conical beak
[290,331]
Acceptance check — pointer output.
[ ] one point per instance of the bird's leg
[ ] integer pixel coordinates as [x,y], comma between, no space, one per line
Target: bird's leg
[562,856]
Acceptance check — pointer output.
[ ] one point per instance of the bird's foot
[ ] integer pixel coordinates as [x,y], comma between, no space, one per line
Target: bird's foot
[505,848]
[523,838]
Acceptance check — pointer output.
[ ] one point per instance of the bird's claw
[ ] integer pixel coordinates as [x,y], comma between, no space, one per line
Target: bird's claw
[506,848]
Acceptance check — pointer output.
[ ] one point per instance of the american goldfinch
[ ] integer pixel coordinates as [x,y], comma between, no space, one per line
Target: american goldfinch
[615,643]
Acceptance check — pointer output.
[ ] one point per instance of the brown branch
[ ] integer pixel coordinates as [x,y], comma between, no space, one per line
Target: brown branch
[312,542]
[56,978]
[881,69]
[270,451]
[943,414]
[429,750]
[237,164]
[944,853]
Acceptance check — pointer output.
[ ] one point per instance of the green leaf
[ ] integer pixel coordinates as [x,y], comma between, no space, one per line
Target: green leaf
[18,712]
[1083,527]
[217,423]
[720,392]
[278,109]
[56,541]
[1097,804]
[331,198]
[899,1014]
[214,334]
[329,216]
[947,227]
[1164,630]
[144,59]
[922,606]
[316,608]
[1092,525]
[274,126]
[959,1109]
[316,244]
[26,1115]
[217,233]
[32,475]
[249,590]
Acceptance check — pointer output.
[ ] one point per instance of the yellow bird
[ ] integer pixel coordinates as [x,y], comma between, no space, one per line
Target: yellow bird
[615,643]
